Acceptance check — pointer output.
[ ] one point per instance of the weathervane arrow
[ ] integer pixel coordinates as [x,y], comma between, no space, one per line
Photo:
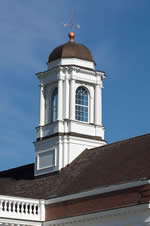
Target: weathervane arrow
[72,25]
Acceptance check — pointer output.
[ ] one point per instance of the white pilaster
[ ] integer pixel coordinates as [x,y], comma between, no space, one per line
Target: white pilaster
[60,154]
[48,105]
[65,151]
[72,99]
[60,99]
[91,108]
[98,106]
[42,105]
[66,86]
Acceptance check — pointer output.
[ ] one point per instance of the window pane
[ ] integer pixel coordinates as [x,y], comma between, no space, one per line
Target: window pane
[81,109]
[55,104]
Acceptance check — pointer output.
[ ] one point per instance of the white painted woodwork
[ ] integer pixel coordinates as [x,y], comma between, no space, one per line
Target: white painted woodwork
[71,61]
[67,78]
[42,105]
[60,99]
[66,97]
[67,149]
[98,106]
[72,99]
[22,208]
[70,126]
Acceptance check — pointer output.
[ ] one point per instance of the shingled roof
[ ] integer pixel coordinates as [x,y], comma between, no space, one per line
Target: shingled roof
[115,163]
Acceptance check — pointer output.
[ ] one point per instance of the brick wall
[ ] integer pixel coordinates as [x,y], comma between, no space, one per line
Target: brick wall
[128,197]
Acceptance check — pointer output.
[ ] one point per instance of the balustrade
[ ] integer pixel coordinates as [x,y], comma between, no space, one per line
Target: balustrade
[21,208]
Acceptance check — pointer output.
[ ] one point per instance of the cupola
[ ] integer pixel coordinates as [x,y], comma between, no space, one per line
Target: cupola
[70,107]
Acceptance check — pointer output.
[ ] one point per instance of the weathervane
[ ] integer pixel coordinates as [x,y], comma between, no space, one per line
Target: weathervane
[72,25]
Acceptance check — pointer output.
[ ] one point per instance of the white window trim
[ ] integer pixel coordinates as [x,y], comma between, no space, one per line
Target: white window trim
[46,167]
[52,107]
[89,103]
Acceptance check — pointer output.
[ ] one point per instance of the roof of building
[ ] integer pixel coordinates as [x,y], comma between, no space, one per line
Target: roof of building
[111,164]
[71,49]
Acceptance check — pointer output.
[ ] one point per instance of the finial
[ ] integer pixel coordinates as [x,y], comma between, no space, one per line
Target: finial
[72,25]
[71,36]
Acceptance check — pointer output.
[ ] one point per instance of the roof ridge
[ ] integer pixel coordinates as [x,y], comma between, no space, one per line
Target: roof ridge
[120,142]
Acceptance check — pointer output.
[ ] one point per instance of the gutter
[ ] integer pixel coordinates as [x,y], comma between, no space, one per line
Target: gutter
[98,191]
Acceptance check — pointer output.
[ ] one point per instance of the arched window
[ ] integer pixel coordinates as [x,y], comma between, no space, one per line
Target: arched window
[81,107]
[55,105]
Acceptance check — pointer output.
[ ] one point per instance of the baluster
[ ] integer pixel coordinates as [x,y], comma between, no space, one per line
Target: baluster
[35,209]
[13,206]
[9,206]
[18,203]
[23,207]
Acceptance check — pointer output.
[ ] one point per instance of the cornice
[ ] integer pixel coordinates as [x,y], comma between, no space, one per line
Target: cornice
[11,222]
[73,68]
[102,216]
[98,191]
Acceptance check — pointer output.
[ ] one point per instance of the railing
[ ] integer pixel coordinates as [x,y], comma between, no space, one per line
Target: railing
[22,208]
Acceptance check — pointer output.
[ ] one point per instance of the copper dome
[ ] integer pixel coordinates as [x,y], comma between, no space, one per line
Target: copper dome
[71,49]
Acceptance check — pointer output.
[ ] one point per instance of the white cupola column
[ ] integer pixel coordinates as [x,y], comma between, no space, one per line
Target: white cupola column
[98,106]
[100,103]
[60,99]
[91,112]
[72,99]
[66,91]
[42,105]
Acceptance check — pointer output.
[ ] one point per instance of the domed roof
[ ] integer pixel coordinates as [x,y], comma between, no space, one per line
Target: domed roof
[71,49]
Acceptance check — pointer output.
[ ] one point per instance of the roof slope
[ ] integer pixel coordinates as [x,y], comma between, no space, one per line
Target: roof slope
[116,163]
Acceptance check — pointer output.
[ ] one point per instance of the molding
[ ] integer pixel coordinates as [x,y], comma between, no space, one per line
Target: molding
[72,134]
[20,199]
[73,67]
[102,216]
[98,191]
[14,222]
[52,149]
[70,60]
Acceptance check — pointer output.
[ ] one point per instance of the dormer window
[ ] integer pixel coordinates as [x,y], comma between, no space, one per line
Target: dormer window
[81,107]
[55,105]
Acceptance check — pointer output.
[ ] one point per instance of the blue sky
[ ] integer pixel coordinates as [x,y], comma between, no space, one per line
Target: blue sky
[117,33]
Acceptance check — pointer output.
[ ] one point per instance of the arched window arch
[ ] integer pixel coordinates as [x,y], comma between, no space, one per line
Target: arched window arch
[82,104]
[55,105]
